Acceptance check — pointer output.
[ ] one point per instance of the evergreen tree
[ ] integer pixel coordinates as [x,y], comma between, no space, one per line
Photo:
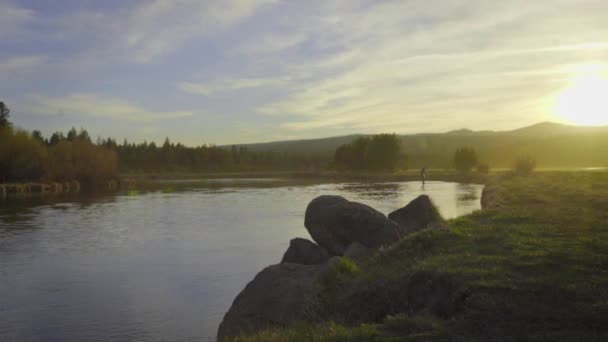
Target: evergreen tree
[465,159]
[4,114]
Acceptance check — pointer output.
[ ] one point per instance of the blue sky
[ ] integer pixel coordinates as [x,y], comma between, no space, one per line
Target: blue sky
[237,71]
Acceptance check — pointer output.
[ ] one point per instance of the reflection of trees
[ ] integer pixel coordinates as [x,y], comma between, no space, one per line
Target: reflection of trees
[465,193]
[373,190]
[221,185]
[16,211]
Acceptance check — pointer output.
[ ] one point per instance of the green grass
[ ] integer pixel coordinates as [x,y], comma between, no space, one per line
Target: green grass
[533,268]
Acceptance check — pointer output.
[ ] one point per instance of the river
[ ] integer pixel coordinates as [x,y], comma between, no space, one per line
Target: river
[165,264]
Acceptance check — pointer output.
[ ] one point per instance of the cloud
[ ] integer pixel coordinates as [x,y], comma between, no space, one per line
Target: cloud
[210,88]
[406,65]
[13,19]
[20,63]
[154,29]
[270,43]
[307,68]
[91,105]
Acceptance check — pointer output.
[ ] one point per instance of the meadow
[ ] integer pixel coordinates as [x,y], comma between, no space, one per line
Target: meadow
[532,265]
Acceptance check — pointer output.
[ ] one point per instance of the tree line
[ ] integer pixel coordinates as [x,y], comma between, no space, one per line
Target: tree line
[380,152]
[26,156]
[384,152]
[175,157]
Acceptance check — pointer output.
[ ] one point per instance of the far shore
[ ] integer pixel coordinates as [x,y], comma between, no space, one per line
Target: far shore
[447,175]
[152,180]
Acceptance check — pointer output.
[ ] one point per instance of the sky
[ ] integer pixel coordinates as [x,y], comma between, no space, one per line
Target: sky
[241,71]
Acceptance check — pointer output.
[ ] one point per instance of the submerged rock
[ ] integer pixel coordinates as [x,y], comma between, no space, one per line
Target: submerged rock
[334,223]
[418,214]
[277,296]
[305,252]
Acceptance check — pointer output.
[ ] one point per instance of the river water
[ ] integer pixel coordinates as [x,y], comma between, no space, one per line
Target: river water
[162,265]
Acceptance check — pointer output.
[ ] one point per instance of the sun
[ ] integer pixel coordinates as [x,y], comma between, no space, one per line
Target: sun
[584,102]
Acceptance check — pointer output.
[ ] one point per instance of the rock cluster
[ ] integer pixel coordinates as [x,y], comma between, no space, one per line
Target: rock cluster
[418,214]
[281,294]
[334,223]
[305,252]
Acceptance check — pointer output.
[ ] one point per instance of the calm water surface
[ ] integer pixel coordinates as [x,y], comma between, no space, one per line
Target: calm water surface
[162,265]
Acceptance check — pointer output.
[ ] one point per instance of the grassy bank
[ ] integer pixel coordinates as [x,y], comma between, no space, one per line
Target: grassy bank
[532,266]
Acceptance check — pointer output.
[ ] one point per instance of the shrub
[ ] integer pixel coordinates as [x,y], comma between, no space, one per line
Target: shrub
[341,270]
[483,168]
[524,165]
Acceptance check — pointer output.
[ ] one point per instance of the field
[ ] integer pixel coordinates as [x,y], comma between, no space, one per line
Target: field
[533,265]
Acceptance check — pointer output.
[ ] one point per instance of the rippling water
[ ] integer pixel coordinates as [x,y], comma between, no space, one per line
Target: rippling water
[162,265]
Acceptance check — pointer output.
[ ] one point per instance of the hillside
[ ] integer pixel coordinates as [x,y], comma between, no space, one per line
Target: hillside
[551,144]
[322,145]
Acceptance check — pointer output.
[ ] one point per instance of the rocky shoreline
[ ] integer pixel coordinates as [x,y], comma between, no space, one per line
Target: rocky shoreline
[283,294]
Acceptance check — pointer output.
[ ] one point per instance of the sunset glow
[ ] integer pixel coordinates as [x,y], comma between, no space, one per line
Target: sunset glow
[585,101]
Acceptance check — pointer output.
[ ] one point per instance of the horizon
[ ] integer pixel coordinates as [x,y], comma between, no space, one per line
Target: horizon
[174,141]
[242,72]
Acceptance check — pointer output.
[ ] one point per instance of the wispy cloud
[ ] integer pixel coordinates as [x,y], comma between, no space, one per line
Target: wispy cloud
[270,43]
[210,88]
[301,68]
[13,18]
[20,63]
[398,64]
[154,29]
[91,105]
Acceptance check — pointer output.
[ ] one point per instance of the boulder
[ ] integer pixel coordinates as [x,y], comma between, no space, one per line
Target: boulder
[488,197]
[334,223]
[305,252]
[277,296]
[418,214]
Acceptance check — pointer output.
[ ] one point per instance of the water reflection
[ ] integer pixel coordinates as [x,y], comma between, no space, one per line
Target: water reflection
[465,193]
[386,191]
[159,264]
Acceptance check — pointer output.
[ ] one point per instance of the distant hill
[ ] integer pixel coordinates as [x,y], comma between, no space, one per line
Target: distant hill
[551,144]
[546,129]
[313,146]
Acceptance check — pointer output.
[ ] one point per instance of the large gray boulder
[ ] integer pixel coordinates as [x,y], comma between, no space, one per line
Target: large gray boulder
[279,295]
[418,214]
[334,223]
[305,252]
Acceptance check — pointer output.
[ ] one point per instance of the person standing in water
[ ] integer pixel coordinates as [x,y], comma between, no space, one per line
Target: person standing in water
[423,174]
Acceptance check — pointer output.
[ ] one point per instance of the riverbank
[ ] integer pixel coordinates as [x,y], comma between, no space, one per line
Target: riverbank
[403,176]
[9,190]
[530,266]
[446,175]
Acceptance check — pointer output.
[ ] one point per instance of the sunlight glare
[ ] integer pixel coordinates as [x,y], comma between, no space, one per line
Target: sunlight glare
[585,101]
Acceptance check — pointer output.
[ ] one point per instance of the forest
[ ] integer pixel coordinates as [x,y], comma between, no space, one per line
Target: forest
[26,156]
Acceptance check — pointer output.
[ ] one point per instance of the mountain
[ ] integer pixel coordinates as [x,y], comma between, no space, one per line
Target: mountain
[545,129]
[551,144]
